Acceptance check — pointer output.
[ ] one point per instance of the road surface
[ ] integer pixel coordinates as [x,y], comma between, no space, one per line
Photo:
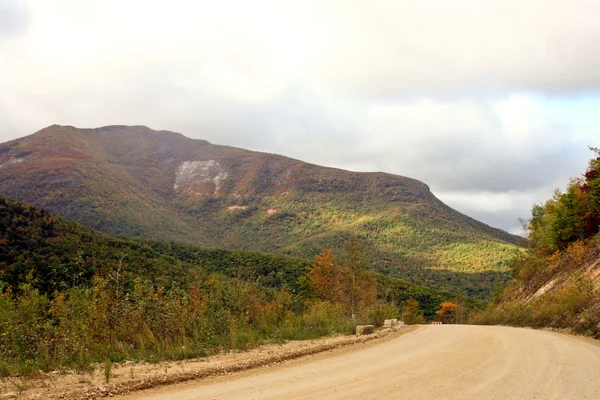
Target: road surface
[431,362]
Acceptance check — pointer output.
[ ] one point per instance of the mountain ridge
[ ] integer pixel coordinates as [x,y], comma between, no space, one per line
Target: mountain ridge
[164,186]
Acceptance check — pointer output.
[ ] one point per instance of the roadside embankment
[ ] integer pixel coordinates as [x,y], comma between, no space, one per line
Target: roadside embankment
[129,377]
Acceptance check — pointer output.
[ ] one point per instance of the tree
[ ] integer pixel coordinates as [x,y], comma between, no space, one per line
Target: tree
[570,216]
[349,282]
[411,314]
[590,195]
[322,277]
[447,312]
[358,286]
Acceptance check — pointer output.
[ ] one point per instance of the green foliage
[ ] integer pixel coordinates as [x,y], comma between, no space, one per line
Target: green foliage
[379,312]
[411,313]
[135,299]
[417,242]
[107,370]
[55,254]
[574,306]
[426,300]
[322,318]
[356,281]
[103,324]
[570,216]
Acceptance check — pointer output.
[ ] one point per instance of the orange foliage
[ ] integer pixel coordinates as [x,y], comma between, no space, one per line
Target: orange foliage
[447,312]
[350,283]
[322,277]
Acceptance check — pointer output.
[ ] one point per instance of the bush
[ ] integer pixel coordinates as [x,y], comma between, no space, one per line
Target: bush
[575,305]
[377,314]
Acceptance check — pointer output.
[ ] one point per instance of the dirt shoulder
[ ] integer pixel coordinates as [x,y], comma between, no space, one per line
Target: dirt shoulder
[130,377]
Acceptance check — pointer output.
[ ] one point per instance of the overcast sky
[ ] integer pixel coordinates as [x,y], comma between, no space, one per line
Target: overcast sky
[491,103]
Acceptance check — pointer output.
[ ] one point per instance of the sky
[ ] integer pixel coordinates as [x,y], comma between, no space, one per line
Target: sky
[492,103]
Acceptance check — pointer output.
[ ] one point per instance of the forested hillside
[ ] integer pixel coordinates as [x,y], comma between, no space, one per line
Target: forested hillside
[166,187]
[557,279]
[72,296]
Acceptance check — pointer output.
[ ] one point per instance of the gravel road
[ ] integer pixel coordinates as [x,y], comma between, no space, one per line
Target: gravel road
[431,362]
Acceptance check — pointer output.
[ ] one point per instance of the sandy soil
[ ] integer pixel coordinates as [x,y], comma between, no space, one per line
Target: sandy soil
[129,377]
[429,362]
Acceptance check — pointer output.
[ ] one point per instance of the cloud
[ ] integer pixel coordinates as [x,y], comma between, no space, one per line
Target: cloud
[253,51]
[407,48]
[491,103]
[497,209]
[511,144]
[14,19]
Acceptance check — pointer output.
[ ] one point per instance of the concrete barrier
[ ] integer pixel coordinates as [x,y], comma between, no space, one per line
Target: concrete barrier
[364,330]
[390,323]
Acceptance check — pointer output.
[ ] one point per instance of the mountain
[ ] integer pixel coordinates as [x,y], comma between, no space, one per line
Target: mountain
[164,186]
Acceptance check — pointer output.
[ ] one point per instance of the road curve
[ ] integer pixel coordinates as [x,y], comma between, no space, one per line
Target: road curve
[431,362]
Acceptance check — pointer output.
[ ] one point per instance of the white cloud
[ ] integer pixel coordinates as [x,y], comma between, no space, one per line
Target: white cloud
[252,51]
[485,201]
[474,97]
[14,18]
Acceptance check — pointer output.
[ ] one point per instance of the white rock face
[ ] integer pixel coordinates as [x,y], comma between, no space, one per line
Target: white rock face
[198,172]
[12,161]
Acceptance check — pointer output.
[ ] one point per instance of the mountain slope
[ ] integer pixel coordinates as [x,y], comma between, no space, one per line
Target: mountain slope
[54,254]
[561,291]
[161,185]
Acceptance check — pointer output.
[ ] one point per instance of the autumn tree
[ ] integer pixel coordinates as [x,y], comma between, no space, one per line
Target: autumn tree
[349,282]
[358,288]
[322,277]
[447,312]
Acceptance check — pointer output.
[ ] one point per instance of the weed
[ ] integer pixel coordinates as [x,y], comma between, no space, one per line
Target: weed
[4,369]
[108,364]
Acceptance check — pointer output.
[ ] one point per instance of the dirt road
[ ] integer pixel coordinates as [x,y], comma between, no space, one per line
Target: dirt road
[431,362]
